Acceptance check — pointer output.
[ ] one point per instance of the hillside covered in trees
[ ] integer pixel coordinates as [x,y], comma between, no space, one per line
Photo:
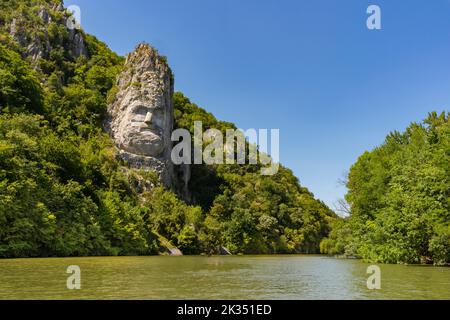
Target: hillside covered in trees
[63,192]
[399,199]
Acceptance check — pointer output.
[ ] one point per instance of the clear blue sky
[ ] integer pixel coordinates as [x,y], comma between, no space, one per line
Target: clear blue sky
[310,68]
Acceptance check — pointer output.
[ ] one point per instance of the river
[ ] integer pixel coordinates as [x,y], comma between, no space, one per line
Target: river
[222,277]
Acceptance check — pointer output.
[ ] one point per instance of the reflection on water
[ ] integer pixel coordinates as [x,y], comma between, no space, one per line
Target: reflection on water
[231,277]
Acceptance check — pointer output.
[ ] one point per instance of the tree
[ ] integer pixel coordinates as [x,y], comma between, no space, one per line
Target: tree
[19,87]
[399,196]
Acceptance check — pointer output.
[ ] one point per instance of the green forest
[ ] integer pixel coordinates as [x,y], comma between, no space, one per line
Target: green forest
[399,199]
[63,192]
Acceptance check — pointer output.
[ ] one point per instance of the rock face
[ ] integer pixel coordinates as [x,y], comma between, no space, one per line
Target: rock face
[140,119]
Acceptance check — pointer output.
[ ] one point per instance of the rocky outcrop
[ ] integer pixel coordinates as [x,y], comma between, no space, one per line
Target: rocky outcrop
[17,33]
[140,119]
[183,173]
[37,44]
[224,251]
[77,45]
[166,247]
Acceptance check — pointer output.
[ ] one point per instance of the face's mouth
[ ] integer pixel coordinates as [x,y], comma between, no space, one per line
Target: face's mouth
[146,141]
[147,137]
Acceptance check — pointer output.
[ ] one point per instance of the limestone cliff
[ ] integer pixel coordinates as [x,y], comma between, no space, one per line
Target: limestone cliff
[140,119]
[37,41]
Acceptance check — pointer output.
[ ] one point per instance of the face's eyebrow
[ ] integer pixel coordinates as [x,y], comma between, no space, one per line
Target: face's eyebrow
[139,108]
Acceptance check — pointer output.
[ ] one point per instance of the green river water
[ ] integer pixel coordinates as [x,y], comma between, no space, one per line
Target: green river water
[224,277]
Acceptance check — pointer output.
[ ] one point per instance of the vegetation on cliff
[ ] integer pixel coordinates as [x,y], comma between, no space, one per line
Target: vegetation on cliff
[64,193]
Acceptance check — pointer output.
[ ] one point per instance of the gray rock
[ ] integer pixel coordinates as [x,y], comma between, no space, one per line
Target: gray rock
[224,251]
[44,15]
[78,46]
[17,32]
[35,50]
[140,120]
[185,170]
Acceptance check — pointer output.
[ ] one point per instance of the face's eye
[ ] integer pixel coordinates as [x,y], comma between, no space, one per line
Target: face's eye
[141,110]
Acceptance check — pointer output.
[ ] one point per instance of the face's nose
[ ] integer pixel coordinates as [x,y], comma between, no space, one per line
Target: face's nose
[148,118]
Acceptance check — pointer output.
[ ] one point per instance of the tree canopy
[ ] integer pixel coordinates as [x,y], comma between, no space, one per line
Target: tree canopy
[399,194]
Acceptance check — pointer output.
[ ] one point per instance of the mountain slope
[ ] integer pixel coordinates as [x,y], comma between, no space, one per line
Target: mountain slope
[63,192]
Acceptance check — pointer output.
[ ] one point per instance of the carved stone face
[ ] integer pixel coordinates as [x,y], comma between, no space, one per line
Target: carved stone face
[141,116]
[142,129]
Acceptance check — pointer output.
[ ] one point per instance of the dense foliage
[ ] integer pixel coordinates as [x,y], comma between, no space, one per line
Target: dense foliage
[399,195]
[64,193]
[19,88]
[249,212]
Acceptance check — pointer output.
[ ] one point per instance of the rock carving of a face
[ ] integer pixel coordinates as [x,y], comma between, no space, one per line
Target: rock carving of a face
[141,116]
[144,130]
